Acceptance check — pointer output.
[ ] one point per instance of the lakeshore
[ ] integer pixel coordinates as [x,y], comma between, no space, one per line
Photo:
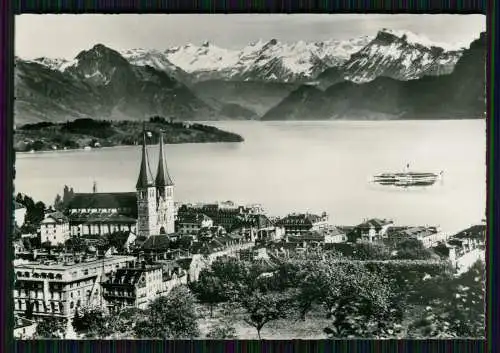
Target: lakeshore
[89,133]
[276,157]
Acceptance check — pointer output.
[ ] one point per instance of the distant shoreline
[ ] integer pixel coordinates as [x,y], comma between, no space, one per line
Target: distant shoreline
[89,134]
[110,147]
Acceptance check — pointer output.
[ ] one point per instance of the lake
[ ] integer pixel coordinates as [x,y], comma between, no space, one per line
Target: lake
[298,167]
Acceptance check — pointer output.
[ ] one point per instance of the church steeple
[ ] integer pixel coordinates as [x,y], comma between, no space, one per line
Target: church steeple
[163,178]
[165,194]
[145,176]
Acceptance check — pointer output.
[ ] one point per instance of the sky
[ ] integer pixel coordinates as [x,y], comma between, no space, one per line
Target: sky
[64,36]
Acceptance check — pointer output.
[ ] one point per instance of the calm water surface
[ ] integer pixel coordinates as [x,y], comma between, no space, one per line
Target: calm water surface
[298,166]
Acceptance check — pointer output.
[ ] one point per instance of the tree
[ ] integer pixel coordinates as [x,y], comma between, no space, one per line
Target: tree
[92,322]
[20,198]
[170,317]
[360,303]
[371,251]
[51,327]
[413,249]
[313,286]
[75,244]
[262,308]
[35,213]
[455,306]
[58,203]
[209,289]
[27,244]
[46,245]
[222,331]
[233,274]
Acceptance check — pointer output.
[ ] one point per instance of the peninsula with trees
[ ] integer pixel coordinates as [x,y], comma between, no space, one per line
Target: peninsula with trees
[90,133]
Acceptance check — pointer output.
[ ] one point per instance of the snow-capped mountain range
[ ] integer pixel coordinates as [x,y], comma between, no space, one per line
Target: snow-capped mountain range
[398,54]
[208,82]
[263,60]
[460,94]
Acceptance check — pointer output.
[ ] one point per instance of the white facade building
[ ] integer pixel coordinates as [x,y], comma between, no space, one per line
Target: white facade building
[54,228]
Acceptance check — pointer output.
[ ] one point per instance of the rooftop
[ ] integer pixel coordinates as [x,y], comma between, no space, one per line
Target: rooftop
[418,231]
[111,200]
[300,218]
[103,218]
[61,266]
[192,217]
[20,322]
[375,223]
[475,232]
[157,242]
[55,217]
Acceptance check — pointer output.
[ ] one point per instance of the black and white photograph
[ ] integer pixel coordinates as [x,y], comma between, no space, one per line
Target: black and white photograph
[249,176]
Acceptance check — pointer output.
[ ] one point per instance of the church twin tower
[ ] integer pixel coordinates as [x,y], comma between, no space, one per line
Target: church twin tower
[155,197]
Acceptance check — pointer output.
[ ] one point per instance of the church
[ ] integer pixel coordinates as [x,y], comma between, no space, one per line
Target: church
[148,211]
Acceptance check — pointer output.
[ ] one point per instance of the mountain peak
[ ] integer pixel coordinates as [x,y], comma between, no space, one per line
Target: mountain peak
[100,52]
[386,35]
[390,35]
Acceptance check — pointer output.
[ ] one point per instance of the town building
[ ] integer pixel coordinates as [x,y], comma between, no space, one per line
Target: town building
[57,288]
[101,223]
[159,247]
[370,230]
[476,233]
[327,235]
[195,263]
[254,227]
[19,214]
[429,236]
[24,328]
[54,228]
[225,214]
[192,222]
[137,286]
[253,254]
[147,211]
[297,224]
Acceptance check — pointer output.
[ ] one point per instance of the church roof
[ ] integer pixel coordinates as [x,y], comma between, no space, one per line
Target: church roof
[162,176]
[113,200]
[145,178]
[101,218]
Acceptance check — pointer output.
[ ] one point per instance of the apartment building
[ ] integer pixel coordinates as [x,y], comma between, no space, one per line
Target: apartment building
[57,288]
